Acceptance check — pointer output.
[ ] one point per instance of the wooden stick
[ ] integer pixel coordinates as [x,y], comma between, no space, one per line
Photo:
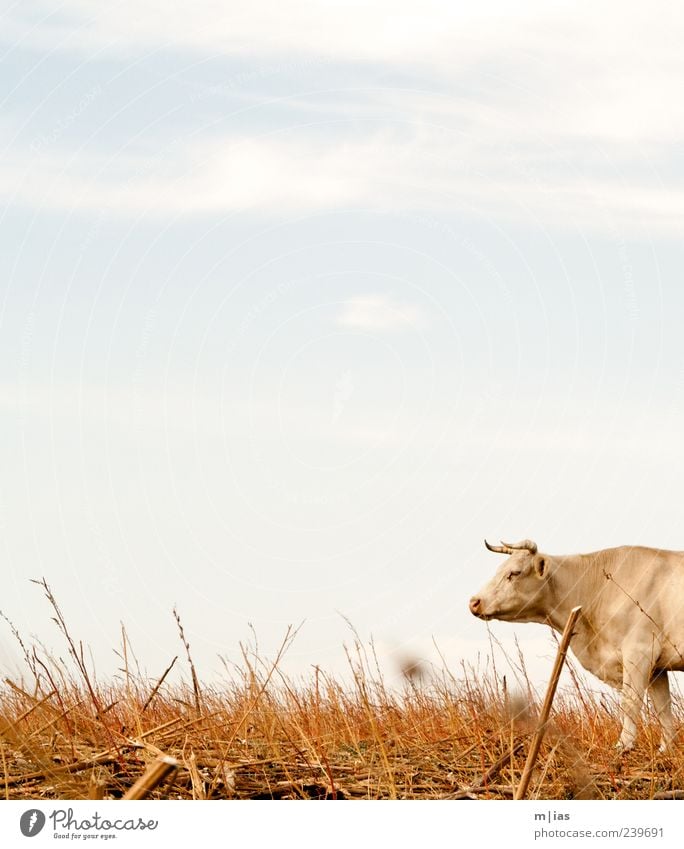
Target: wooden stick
[156,773]
[108,757]
[96,786]
[496,768]
[8,725]
[471,792]
[546,707]
[161,727]
[485,782]
[158,685]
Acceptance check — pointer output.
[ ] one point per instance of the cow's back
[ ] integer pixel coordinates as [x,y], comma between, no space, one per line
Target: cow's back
[645,598]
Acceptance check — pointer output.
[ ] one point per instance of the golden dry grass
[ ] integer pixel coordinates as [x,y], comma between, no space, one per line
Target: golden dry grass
[64,735]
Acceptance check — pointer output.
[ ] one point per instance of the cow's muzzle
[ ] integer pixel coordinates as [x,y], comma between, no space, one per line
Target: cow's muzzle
[475,606]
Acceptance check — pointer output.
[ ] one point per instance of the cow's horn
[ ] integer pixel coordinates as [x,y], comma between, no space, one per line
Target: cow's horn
[497,549]
[526,545]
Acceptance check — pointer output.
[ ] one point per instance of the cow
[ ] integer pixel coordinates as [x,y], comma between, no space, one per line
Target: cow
[630,631]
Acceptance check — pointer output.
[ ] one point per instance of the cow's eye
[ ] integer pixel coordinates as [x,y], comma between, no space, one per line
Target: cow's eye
[513,575]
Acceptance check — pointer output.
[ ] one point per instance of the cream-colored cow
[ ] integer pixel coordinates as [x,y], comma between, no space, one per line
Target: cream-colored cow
[631,628]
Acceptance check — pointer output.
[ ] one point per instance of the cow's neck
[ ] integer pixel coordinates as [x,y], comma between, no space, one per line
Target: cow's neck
[573,581]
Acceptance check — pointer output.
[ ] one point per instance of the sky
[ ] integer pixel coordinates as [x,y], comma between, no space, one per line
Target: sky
[301,301]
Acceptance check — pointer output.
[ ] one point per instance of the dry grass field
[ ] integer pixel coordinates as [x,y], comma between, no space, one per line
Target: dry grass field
[66,735]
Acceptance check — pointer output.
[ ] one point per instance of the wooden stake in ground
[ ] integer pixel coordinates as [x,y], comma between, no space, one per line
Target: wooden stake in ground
[154,776]
[546,707]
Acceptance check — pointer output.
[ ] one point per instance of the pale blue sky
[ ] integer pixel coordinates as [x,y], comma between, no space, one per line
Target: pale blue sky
[300,303]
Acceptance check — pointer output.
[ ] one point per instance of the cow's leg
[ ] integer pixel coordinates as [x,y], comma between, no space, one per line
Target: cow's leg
[636,674]
[659,691]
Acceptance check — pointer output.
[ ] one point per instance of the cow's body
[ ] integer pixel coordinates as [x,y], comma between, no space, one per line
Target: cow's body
[631,628]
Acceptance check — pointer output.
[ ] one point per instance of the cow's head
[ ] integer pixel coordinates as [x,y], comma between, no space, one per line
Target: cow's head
[515,593]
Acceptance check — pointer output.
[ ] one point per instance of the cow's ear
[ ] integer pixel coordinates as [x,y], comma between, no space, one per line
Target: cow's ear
[540,566]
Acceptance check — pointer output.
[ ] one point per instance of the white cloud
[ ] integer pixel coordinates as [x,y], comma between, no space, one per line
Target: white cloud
[382,31]
[231,174]
[378,313]
[576,120]
[612,72]
[420,170]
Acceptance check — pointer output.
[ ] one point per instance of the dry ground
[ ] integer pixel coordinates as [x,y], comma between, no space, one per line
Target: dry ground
[64,735]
